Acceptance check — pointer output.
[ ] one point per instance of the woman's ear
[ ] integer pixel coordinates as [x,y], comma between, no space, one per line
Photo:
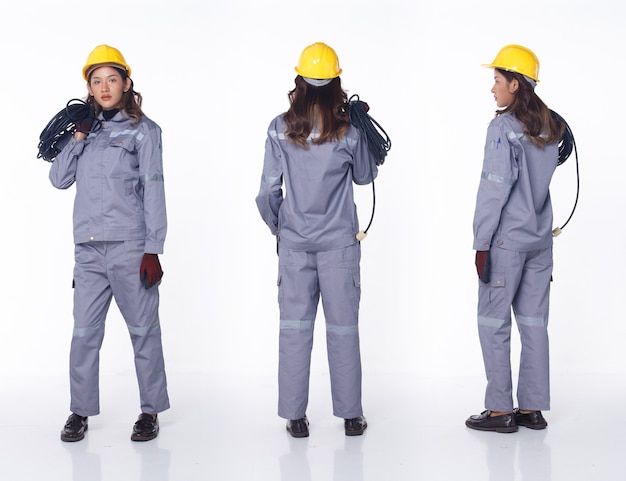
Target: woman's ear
[127,84]
[513,86]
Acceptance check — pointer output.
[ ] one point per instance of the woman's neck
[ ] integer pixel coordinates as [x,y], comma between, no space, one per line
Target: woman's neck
[109,114]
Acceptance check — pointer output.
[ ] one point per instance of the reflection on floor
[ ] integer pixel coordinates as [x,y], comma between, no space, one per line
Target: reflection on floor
[226,429]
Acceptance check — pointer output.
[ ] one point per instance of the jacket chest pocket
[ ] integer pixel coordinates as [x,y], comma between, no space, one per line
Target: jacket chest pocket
[124,156]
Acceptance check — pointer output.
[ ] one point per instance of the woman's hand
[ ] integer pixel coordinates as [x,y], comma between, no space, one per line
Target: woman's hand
[150,271]
[482,265]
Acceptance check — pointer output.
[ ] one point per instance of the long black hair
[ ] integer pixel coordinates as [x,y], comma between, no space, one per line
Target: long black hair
[539,124]
[322,108]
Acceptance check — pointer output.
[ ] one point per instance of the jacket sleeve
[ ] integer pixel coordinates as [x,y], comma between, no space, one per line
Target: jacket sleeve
[63,170]
[499,174]
[151,175]
[270,195]
[364,169]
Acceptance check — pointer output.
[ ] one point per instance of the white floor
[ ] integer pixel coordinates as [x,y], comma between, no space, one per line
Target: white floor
[227,429]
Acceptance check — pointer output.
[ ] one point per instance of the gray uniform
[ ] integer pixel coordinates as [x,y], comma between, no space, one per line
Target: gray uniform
[119,214]
[316,223]
[513,220]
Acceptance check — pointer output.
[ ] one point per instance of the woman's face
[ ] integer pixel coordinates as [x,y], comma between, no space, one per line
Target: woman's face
[107,87]
[503,91]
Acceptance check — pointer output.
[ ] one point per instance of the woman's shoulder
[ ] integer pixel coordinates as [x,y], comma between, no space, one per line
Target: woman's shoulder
[506,122]
[146,126]
[278,123]
[148,123]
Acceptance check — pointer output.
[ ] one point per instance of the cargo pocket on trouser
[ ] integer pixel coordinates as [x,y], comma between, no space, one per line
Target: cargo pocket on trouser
[496,290]
[492,296]
[356,295]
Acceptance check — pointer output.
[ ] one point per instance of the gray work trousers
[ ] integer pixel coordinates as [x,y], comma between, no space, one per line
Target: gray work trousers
[303,277]
[105,270]
[519,281]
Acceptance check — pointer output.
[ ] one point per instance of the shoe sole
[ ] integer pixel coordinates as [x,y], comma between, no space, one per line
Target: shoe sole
[510,429]
[134,437]
[304,434]
[73,439]
[534,426]
[356,432]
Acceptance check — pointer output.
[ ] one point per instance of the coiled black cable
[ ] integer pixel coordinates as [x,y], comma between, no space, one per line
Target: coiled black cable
[62,126]
[377,145]
[567,144]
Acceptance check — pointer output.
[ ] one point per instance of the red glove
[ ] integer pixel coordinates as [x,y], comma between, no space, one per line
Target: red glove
[85,125]
[482,265]
[88,124]
[150,271]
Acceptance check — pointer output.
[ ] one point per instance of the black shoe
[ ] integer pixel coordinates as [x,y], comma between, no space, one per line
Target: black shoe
[534,420]
[298,428]
[355,426]
[74,429]
[146,428]
[505,423]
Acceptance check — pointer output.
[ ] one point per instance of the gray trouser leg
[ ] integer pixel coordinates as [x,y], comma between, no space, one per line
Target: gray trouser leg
[140,308]
[495,341]
[531,307]
[298,297]
[339,275]
[92,297]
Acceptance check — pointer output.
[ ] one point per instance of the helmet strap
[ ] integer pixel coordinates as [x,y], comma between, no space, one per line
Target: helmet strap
[317,82]
[532,82]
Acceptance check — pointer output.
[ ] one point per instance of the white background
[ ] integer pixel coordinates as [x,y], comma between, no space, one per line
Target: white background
[214,73]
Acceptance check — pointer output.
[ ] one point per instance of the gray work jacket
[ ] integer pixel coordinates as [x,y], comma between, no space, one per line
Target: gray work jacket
[317,211]
[118,172]
[513,207]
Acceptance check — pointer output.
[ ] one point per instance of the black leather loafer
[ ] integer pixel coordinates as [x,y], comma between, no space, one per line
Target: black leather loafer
[298,428]
[74,429]
[505,423]
[533,420]
[355,426]
[146,428]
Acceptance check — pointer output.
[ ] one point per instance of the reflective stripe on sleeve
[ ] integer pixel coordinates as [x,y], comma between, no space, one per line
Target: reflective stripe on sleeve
[152,178]
[498,179]
[271,180]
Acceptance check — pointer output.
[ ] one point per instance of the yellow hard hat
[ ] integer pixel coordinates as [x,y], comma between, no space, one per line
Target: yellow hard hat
[516,58]
[319,61]
[104,55]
